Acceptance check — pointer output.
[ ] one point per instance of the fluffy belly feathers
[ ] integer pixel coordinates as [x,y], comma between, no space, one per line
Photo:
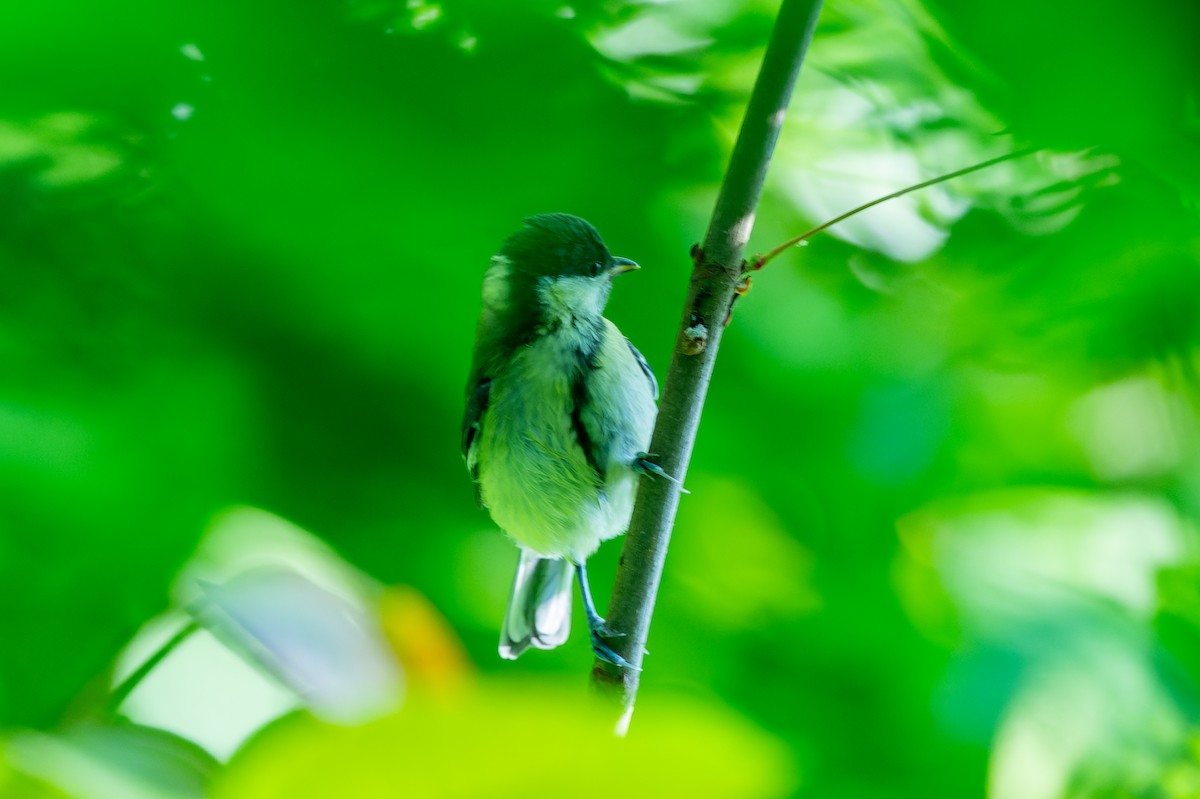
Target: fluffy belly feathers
[535,477]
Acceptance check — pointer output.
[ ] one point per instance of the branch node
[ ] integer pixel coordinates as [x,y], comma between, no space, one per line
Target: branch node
[695,338]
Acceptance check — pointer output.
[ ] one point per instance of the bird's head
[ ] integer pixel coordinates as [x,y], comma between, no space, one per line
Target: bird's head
[556,265]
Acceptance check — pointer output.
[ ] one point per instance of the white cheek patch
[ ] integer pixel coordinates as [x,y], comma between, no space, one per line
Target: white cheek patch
[495,283]
[575,295]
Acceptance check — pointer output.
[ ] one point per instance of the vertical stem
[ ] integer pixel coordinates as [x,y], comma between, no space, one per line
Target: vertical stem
[718,267]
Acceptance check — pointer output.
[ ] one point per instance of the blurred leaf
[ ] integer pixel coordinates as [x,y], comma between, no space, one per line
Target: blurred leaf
[95,761]
[727,586]
[518,741]
[280,598]
[1017,559]
[1091,722]
[281,601]
[58,146]
[322,646]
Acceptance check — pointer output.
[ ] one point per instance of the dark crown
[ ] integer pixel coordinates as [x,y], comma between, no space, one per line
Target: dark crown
[556,244]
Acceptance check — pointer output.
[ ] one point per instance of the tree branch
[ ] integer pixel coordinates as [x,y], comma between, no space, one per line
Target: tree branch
[718,267]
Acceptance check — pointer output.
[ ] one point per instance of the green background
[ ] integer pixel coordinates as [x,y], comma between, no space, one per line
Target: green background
[942,533]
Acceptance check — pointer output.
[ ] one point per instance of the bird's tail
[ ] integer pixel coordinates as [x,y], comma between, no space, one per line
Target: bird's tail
[539,610]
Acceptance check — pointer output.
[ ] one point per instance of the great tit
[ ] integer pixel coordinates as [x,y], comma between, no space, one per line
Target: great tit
[559,411]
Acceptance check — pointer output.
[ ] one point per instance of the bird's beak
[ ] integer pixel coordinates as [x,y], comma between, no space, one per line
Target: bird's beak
[622,265]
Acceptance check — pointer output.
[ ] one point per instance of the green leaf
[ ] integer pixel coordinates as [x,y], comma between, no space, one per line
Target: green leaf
[103,761]
[512,739]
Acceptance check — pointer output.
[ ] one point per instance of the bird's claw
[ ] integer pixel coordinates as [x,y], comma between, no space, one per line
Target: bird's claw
[643,465]
[605,652]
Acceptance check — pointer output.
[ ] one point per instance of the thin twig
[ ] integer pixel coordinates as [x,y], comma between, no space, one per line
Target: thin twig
[759,261]
[717,269]
[122,691]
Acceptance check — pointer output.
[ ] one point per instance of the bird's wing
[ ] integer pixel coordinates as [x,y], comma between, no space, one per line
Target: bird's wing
[479,387]
[477,402]
[645,369]
[591,447]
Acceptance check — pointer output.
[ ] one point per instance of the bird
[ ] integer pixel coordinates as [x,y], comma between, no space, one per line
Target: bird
[560,408]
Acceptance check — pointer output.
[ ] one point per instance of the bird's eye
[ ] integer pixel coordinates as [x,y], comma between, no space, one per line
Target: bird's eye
[597,268]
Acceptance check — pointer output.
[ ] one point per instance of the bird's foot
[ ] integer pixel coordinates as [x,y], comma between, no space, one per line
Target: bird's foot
[600,635]
[642,464]
[596,626]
